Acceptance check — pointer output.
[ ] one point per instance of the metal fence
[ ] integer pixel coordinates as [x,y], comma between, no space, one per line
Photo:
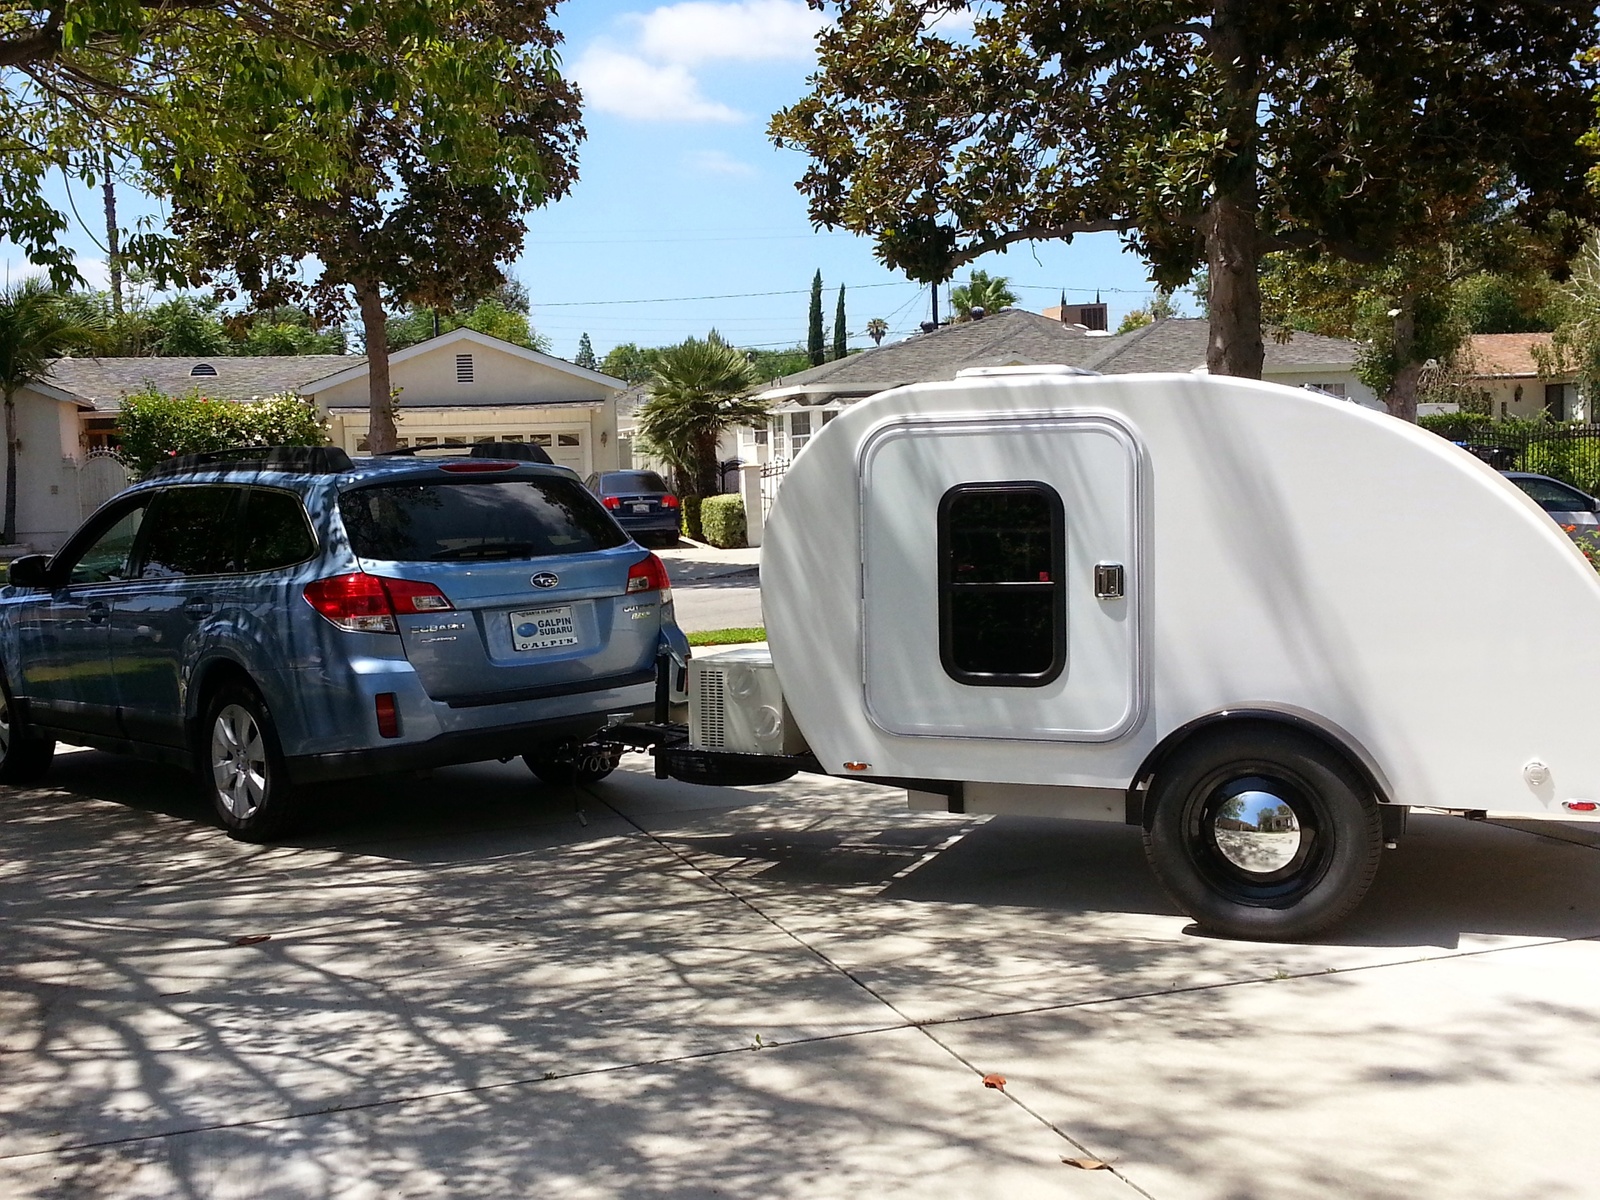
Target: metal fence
[771,476]
[1570,453]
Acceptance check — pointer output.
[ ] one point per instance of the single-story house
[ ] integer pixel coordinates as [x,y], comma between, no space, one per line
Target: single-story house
[456,389]
[802,403]
[1508,373]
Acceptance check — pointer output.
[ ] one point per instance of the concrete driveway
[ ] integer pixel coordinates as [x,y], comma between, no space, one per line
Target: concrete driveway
[452,987]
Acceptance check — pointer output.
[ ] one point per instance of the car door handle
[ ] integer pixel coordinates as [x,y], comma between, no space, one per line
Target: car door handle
[96,612]
[196,607]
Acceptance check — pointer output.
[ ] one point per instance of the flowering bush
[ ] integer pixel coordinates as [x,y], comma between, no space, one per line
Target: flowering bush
[155,426]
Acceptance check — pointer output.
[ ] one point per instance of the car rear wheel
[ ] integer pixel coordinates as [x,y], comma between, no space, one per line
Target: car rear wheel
[24,756]
[241,767]
[1262,834]
[579,764]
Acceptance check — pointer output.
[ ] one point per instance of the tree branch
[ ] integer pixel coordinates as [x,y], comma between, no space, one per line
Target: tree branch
[1039,233]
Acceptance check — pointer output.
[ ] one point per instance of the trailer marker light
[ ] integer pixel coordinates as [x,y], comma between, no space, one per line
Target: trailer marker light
[1580,805]
[857,766]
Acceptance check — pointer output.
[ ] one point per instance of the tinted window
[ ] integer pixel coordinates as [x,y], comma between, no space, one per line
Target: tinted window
[1002,600]
[275,531]
[441,522]
[107,557]
[192,531]
[1553,497]
[622,483]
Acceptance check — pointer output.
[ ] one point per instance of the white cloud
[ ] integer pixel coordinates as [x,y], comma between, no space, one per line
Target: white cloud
[628,86]
[702,31]
[715,162]
[14,268]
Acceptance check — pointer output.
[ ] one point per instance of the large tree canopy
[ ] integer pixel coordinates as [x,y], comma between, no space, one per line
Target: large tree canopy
[430,149]
[1206,133]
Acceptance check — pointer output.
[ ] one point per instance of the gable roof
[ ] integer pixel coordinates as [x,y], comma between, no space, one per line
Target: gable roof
[1017,336]
[1179,344]
[1506,355]
[104,382]
[458,337]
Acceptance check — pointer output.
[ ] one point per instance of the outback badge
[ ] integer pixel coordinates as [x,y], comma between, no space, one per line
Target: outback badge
[544,579]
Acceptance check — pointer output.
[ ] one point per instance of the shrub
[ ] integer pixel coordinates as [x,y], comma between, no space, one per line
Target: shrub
[1571,460]
[155,426]
[722,518]
[1456,426]
[691,517]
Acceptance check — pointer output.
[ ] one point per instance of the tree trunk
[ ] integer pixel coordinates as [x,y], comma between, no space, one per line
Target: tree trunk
[113,238]
[380,404]
[10,532]
[1401,398]
[706,473]
[1233,244]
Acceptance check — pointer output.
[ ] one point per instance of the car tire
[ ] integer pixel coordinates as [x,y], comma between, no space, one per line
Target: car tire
[1298,868]
[241,767]
[24,756]
[579,765]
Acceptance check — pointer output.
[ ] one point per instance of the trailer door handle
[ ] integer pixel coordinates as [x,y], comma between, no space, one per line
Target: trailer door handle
[1109,581]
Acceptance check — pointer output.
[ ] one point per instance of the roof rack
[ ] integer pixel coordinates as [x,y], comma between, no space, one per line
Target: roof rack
[309,460]
[516,451]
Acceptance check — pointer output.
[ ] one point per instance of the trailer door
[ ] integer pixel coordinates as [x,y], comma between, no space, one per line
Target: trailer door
[1001,578]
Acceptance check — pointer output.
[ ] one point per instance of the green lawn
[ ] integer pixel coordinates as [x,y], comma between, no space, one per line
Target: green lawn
[728,637]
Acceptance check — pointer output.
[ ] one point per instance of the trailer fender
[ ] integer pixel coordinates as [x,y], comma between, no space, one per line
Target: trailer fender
[1331,735]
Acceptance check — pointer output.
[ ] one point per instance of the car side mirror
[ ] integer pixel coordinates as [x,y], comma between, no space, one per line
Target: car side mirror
[31,571]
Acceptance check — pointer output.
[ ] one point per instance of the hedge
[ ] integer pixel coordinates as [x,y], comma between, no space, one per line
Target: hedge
[154,426]
[1575,460]
[722,520]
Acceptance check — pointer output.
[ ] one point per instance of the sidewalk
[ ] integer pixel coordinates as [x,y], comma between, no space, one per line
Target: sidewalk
[695,562]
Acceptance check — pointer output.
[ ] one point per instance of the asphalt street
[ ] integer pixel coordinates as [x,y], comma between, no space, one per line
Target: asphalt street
[454,986]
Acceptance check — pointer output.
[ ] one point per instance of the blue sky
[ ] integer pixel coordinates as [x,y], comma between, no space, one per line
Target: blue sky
[681,195]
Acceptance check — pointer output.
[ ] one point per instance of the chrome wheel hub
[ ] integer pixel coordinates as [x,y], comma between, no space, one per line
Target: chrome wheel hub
[238,762]
[1256,831]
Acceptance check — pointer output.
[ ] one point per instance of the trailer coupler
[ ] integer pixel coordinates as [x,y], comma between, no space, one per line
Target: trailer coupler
[677,759]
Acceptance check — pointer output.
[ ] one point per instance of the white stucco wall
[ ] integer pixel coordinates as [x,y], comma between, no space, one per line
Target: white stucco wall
[47,473]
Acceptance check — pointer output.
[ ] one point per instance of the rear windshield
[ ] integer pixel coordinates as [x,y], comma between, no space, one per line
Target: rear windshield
[447,522]
[619,483]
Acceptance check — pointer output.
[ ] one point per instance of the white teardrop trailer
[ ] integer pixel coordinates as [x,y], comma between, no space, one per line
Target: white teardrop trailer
[1260,623]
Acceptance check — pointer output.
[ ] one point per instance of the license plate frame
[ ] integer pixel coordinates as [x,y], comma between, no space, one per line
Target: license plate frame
[552,628]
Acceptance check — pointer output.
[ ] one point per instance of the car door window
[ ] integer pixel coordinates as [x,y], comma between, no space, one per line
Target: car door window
[275,531]
[192,531]
[1552,497]
[107,557]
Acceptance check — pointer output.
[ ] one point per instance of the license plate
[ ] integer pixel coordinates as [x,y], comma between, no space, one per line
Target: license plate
[542,628]
[640,508]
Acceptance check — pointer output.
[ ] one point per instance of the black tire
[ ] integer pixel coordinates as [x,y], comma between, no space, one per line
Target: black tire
[582,764]
[24,755]
[240,766]
[1297,881]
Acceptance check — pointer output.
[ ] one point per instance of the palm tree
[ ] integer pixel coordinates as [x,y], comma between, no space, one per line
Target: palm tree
[876,328]
[980,291]
[35,330]
[696,394]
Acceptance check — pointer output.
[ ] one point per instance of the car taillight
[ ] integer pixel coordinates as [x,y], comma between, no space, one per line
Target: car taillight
[362,603]
[611,501]
[669,502]
[649,574]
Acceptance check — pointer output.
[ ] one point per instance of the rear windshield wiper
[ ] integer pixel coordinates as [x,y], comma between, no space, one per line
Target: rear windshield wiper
[487,550]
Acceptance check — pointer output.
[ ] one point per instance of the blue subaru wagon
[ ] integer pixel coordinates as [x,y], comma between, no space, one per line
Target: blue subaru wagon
[282,616]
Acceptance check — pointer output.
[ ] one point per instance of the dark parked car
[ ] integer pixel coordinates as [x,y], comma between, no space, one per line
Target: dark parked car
[1573,510]
[641,502]
[291,615]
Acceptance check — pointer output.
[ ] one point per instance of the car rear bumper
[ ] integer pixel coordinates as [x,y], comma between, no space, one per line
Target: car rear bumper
[447,749]
[668,522]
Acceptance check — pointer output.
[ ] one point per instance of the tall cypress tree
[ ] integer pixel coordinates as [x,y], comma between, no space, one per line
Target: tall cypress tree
[814,342]
[585,356]
[840,336]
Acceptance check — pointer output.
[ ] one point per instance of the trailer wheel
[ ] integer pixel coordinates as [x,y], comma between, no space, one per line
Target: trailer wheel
[1262,834]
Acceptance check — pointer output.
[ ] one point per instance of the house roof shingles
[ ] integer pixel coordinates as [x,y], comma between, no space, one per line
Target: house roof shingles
[1014,335]
[1507,355]
[104,382]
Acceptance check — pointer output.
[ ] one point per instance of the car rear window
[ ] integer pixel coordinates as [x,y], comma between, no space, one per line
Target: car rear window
[447,522]
[619,483]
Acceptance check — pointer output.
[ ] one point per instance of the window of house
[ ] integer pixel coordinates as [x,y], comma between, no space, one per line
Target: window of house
[463,368]
[780,444]
[539,439]
[1333,389]
[568,439]
[425,441]
[799,429]
[828,415]
[455,441]
[1002,591]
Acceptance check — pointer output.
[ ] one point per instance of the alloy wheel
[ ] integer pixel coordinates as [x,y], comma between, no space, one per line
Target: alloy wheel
[238,761]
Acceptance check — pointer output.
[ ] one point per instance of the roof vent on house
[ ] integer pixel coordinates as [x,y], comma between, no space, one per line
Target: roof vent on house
[928,327]
[202,369]
[463,368]
[978,312]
